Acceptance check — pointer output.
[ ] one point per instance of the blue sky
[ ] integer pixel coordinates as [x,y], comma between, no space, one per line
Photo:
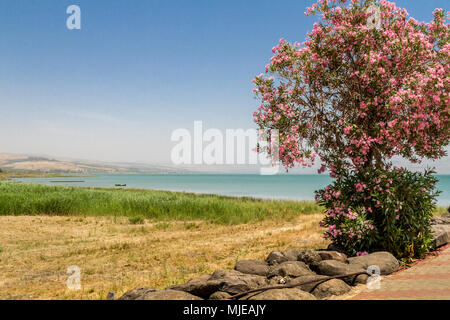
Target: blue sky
[137,70]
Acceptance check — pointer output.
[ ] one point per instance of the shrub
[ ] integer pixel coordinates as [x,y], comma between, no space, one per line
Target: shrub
[381,210]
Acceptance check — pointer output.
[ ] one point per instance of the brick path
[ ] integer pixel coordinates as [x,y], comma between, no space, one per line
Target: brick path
[425,280]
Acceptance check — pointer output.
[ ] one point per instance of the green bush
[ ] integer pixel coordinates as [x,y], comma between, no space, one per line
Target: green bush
[381,210]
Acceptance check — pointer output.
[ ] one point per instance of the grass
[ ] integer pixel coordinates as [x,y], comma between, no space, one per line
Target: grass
[33,199]
[114,255]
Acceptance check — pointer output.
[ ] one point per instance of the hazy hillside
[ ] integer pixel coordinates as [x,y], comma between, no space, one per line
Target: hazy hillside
[14,162]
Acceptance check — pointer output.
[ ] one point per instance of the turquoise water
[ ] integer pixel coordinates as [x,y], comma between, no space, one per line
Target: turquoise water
[294,187]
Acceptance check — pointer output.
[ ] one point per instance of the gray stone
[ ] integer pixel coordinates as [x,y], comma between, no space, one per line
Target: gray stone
[384,260]
[441,234]
[291,269]
[310,257]
[219,295]
[252,267]
[168,295]
[336,268]
[136,293]
[197,286]
[332,255]
[230,281]
[278,280]
[333,287]
[281,294]
[291,255]
[111,296]
[275,257]
[145,293]
[233,282]
[299,282]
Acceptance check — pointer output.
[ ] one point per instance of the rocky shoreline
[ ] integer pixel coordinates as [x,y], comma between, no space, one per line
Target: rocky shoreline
[306,273]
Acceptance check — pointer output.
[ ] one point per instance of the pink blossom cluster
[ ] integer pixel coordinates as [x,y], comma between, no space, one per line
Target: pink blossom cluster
[354,96]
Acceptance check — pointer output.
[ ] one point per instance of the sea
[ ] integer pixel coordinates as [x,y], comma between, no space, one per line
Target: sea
[285,186]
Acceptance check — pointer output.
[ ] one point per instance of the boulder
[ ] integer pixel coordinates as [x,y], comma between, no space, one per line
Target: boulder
[441,234]
[280,294]
[219,295]
[230,281]
[333,287]
[168,295]
[384,260]
[332,255]
[197,286]
[278,280]
[291,255]
[143,293]
[291,269]
[257,267]
[308,287]
[310,257]
[233,282]
[335,268]
[111,296]
[136,293]
[275,257]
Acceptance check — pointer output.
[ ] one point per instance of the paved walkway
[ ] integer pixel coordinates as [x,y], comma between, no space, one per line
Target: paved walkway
[425,280]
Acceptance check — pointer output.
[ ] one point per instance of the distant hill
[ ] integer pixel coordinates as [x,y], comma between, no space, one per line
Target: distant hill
[29,163]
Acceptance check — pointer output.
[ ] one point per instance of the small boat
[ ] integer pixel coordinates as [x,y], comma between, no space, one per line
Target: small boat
[120,185]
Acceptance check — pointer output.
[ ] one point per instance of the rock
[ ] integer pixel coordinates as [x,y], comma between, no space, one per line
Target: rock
[230,281]
[384,260]
[219,295]
[145,293]
[310,257]
[233,282]
[333,287]
[335,268]
[168,295]
[308,287]
[252,267]
[275,257]
[197,286]
[136,292]
[332,255]
[291,269]
[111,296]
[281,294]
[277,281]
[441,234]
[291,255]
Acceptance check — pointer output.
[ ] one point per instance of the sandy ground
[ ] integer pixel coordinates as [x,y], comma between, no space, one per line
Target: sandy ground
[114,255]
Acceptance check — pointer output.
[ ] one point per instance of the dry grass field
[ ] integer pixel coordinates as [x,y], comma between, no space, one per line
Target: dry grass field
[115,255]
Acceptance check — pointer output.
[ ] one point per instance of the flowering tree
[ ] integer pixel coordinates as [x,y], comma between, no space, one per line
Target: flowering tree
[356,93]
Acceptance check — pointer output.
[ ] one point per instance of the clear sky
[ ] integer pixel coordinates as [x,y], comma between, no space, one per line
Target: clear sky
[137,70]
